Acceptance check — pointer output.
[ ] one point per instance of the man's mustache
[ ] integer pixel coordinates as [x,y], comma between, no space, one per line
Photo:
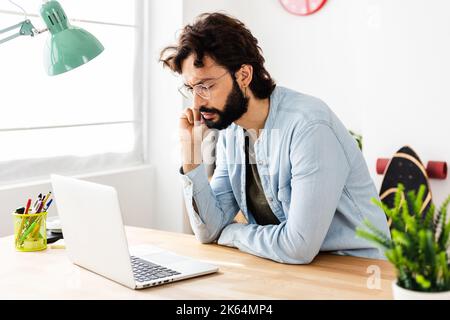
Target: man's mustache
[209,110]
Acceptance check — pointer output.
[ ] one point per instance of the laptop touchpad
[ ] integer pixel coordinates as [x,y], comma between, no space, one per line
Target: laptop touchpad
[163,258]
[156,254]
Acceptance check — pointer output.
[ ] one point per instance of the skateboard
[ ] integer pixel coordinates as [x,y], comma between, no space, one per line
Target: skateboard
[404,167]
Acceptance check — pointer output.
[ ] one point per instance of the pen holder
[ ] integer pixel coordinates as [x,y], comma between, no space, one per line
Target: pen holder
[30,231]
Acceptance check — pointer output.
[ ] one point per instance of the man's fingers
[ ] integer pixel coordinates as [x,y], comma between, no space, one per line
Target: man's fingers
[197,116]
[183,116]
[198,132]
[188,115]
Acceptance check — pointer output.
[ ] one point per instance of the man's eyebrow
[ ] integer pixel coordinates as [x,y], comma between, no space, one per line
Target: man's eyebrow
[200,81]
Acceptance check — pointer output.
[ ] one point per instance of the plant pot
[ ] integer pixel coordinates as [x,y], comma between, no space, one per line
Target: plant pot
[400,293]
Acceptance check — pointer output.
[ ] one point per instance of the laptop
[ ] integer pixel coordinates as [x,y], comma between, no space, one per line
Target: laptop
[95,239]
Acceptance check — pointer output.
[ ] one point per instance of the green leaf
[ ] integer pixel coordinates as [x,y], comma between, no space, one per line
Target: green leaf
[392,257]
[380,234]
[400,237]
[428,247]
[442,224]
[444,205]
[443,274]
[398,195]
[410,221]
[372,238]
[383,206]
[418,202]
[424,283]
[444,237]
[428,221]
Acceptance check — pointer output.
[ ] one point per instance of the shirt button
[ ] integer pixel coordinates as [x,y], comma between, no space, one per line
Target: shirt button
[260,162]
[270,199]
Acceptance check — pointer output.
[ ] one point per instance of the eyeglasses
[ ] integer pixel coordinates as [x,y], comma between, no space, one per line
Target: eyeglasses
[200,89]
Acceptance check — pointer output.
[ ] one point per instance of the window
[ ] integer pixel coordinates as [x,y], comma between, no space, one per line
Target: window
[84,120]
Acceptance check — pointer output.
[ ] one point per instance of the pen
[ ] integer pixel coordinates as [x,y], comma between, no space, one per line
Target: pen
[28,206]
[37,200]
[48,204]
[44,201]
[37,203]
[37,206]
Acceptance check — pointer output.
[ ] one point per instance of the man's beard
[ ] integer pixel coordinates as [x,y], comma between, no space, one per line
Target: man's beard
[235,106]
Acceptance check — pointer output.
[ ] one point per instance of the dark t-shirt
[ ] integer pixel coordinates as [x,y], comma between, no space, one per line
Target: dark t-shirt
[256,200]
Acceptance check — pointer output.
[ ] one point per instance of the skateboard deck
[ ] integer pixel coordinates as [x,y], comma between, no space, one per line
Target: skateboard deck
[405,167]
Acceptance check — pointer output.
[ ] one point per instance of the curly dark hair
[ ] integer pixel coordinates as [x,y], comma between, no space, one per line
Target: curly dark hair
[228,42]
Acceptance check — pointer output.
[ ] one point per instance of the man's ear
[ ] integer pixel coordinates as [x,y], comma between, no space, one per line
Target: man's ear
[244,75]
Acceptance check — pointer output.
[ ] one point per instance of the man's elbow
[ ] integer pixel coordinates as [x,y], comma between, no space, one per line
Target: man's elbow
[298,256]
[205,237]
[298,260]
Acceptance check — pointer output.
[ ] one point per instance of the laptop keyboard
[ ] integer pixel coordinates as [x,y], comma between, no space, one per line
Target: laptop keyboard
[147,271]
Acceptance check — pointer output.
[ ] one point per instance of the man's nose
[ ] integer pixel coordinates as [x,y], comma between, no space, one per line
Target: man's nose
[199,101]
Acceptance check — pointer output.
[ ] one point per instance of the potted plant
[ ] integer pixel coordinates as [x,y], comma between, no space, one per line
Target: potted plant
[418,246]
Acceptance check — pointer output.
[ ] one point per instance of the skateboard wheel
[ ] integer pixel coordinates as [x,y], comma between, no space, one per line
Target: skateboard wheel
[437,169]
[381,165]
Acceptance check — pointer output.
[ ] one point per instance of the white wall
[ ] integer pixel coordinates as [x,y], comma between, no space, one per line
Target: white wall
[381,65]
[408,74]
[164,105]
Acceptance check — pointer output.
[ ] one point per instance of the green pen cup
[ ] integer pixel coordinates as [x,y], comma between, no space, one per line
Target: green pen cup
[30,231]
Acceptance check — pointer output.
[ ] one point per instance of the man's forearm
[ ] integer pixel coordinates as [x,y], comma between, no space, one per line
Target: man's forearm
[191,156]
[207,214]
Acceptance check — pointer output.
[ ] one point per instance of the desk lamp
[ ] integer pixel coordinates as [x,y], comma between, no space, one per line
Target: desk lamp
[68,46]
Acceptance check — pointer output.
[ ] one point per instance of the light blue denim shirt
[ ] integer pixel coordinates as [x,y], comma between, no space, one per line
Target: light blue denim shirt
[315,179]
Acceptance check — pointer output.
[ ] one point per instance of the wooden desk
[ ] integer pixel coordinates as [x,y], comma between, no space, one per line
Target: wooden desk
[50,275]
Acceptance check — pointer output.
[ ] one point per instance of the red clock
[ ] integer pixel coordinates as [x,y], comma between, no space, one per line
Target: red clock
[302,7]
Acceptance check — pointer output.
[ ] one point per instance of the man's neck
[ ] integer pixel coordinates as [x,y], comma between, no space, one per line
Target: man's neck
[256,115]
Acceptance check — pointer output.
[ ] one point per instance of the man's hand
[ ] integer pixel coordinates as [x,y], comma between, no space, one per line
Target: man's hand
[191,133]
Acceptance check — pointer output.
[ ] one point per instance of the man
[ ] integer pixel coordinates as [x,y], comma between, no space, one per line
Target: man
[285,160]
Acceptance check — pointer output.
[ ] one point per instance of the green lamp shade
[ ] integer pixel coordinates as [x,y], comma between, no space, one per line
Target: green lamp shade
[68,47]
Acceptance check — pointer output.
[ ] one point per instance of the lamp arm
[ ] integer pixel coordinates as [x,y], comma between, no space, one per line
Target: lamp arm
[26,29]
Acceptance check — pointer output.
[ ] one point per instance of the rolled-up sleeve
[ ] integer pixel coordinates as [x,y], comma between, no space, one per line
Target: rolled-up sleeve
[319,169]
[215,202]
